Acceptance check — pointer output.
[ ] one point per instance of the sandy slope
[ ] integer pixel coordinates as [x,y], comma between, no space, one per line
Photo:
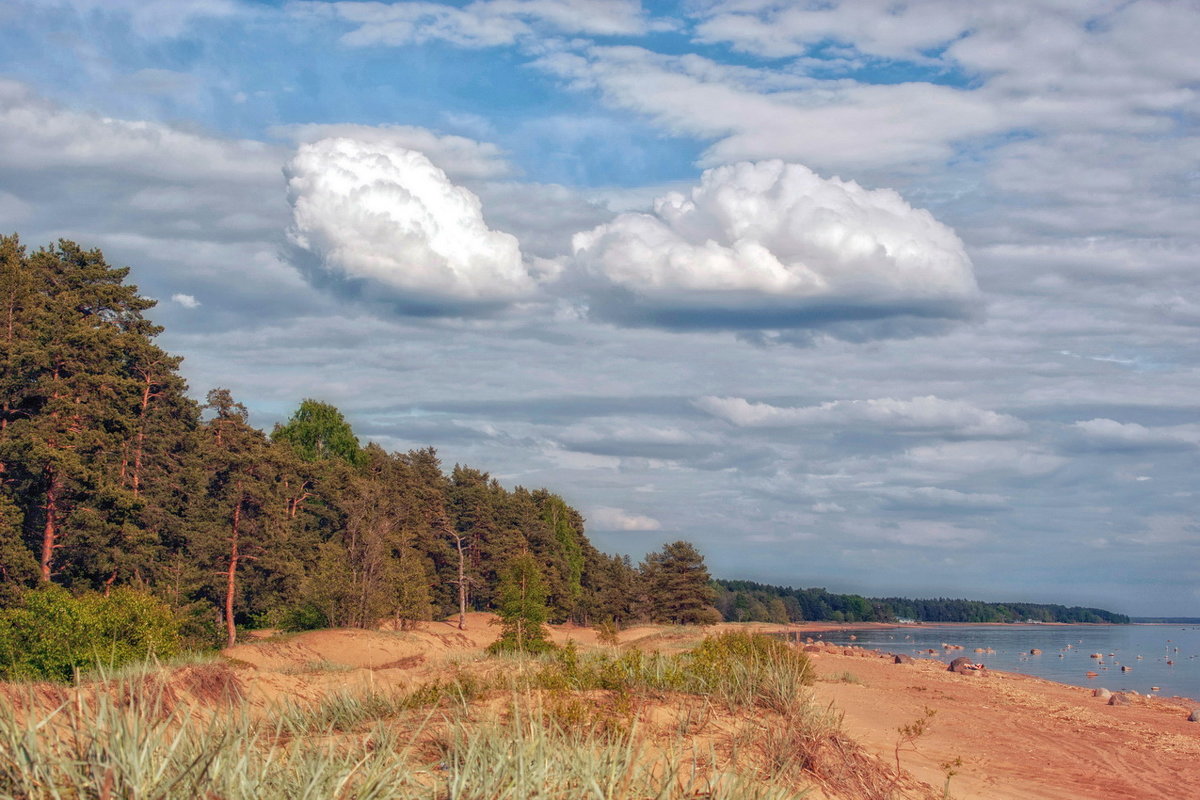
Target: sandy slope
[1018,737]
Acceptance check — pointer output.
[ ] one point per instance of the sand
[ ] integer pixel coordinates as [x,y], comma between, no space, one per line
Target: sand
[1016,737]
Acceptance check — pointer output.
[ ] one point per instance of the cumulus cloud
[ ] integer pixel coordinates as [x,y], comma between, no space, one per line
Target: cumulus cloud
[773,245]
[388,221]
[918,414]
[609,518]
[458,156]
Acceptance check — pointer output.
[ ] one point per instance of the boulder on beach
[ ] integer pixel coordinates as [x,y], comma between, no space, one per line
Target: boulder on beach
[1194,716]
[1118,699]
[1102,693]
[963,666]
[900,658]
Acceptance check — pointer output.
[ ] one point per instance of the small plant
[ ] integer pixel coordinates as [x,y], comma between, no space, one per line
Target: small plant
[911,732]
[845,677]
[606,633]
[951,768]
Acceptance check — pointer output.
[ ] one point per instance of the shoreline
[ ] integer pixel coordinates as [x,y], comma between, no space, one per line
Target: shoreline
[814,631]
[1016,736]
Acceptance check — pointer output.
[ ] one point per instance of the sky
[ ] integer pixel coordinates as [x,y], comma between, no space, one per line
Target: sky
[895,298]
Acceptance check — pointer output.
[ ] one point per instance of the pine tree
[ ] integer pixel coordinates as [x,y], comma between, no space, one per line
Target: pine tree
[522,608]
[242,498]
[74,339]
[677,586]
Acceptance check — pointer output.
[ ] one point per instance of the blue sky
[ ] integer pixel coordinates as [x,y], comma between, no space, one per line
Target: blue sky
[895,299]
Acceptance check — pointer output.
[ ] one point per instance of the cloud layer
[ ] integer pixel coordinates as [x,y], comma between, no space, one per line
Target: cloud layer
[928,413]
[773,245]
[378,214]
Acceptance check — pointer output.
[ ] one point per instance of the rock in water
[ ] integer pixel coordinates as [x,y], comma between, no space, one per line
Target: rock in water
[1035,652]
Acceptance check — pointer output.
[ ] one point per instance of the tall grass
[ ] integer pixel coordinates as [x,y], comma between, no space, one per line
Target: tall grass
[738,669]
[568,729]
[105,750]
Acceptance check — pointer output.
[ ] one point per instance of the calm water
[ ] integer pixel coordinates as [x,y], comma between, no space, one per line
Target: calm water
[1066,651]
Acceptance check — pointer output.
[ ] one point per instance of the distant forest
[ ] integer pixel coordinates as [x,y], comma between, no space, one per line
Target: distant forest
[113,480]
[747,601]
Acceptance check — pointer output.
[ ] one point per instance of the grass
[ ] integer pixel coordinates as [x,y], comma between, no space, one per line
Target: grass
[108,750]
[734,721]
[844,677]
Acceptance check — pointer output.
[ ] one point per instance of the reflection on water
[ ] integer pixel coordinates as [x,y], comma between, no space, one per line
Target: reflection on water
[1130,656]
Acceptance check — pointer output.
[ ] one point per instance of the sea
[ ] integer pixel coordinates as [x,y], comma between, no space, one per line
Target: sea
[1162,655]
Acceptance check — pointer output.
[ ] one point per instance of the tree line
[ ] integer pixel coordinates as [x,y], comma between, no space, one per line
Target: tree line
[113,477]
[745,601]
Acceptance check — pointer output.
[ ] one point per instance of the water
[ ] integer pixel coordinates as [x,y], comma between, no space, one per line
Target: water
[1066,651]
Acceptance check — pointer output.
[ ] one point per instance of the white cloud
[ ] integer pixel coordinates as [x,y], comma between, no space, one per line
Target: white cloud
[756,114]
[458,156]
[878,27]
[937,497]
[377,212]
[917,414]
[775,239]
[609,518]
[185,300]
[1167,529]
[1132,435]
[483,23]
[957,459]
[38,134]
[915,532]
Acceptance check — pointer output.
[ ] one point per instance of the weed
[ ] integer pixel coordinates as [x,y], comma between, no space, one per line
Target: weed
[911,732]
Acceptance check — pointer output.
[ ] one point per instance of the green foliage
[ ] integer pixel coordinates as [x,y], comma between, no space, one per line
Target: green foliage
[522,610]
[745,601]
[318,431]
[739,670]
[52,635]
[677,587]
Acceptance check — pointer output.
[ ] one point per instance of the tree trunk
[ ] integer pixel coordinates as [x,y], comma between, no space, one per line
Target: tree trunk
[462,584]
[140,441]
[231,576]
[50,532]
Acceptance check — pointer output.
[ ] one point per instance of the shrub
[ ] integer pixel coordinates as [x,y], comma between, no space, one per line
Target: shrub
[746,669]
[52,634]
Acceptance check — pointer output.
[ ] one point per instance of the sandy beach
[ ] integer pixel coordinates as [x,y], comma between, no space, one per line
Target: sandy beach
[996,735]
[1016,736]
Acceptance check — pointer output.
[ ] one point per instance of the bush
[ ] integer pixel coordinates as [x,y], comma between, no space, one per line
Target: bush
[52,634]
